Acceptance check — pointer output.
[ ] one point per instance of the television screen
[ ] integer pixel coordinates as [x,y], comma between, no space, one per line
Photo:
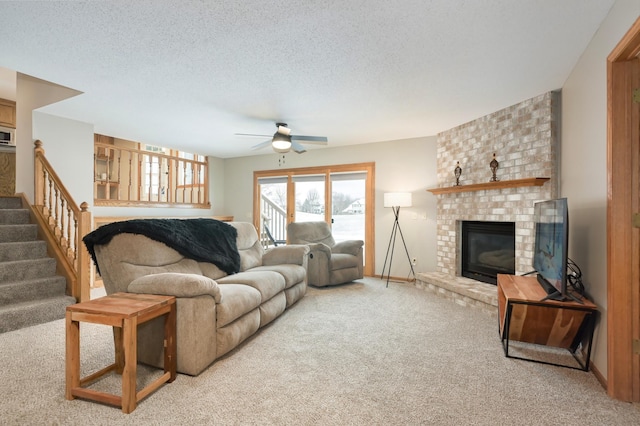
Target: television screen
[550,249]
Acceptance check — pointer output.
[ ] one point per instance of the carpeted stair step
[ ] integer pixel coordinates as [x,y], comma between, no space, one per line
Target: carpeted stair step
[14,216]
[29,290]
[22,250]
[20,315]
[12,233]
[29,269]
[10,203]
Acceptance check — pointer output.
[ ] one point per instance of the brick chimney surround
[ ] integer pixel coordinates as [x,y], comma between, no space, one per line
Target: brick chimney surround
[524,138]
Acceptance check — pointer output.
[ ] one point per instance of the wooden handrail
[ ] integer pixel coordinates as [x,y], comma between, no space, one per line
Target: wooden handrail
[62,224]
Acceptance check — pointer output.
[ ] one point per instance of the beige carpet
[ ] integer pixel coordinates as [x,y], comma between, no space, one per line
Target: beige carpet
[357,354]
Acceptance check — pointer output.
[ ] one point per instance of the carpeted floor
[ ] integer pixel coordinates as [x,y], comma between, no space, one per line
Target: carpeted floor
[356,354]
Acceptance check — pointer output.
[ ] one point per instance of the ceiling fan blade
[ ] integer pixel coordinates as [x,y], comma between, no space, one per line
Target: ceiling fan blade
[252,134]
[261,145]
[297,147]
[319,139]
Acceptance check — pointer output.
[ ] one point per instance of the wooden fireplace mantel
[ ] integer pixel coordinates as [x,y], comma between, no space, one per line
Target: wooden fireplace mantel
[501,184]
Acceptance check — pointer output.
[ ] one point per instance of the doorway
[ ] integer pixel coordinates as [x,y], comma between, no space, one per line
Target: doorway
[623,214]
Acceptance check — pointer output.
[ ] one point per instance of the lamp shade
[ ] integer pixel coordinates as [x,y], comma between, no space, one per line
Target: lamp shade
[397,199]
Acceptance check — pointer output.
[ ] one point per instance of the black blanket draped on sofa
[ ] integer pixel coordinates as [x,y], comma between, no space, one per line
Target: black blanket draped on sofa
[203,240]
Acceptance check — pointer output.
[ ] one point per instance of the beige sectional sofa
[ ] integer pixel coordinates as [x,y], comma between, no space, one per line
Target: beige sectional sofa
[216,311]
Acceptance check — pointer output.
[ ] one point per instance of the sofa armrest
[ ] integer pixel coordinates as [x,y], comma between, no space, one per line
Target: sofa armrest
[290,254]
[320,247]
[348,247]
[176,284]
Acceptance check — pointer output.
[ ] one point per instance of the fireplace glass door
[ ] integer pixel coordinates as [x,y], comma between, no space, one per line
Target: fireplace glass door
[488,249]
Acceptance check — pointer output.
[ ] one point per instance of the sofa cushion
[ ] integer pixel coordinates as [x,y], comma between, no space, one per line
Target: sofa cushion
[342,261]
[249,245]
[129,256]
[272,308]
[292,274]
[268,283]
[178,285]
[236,300]
[210,270]
[230,336]
[345,275]
[184,266]
[295,293]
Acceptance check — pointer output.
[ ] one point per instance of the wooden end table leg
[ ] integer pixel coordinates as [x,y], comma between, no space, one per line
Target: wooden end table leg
[170,343]
[117,343]
[72,355]
[129,347]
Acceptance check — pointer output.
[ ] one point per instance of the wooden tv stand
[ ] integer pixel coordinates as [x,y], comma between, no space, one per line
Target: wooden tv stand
[524,316]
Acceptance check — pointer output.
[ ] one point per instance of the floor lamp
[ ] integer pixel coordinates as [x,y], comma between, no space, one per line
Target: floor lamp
[395,200]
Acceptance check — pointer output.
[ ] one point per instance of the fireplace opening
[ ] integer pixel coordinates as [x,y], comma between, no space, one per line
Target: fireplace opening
[488,249]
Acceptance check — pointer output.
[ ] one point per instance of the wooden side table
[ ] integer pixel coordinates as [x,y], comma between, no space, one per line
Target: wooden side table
[123,311]
[523,316]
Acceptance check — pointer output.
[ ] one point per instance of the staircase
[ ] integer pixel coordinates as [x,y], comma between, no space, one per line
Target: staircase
[30,291]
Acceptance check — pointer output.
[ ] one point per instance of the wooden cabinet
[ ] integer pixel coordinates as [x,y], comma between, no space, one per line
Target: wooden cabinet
[524,316]
[7,171]
[7,113]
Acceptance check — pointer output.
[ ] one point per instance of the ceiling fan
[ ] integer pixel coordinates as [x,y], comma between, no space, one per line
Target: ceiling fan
[283,141]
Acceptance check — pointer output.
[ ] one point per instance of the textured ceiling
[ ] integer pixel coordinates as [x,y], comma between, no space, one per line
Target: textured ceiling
[191,74]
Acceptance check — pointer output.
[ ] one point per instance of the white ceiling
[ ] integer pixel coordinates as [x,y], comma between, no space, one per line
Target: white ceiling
[191,74]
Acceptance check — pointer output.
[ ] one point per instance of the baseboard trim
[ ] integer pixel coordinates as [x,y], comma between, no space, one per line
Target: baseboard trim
[396,279]
[598,374]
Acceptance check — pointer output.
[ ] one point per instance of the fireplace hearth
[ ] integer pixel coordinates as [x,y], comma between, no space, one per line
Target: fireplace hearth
[488,249]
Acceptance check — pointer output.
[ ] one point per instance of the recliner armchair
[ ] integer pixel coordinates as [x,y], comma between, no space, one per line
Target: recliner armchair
[329,263]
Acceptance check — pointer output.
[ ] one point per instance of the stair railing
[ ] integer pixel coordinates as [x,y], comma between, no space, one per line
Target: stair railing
[63,225]
[276,218]
[133,177]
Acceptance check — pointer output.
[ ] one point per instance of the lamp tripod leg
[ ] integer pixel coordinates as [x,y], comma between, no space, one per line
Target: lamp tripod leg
[390,250]
[392,244]
[407,252]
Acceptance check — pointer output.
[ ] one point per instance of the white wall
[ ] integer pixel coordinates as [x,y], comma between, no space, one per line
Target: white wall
[583,167]
[67,145]
[31,93]
[405,165]
[216,186]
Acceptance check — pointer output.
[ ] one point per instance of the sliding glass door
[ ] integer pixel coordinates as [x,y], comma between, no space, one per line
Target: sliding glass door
[348,205]
[339,195]
[309,190]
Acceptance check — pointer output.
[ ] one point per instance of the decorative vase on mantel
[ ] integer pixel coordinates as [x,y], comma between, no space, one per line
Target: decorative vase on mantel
[494,167]
[457,172]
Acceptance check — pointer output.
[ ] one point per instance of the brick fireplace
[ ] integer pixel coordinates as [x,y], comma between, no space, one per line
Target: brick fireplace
[524,139]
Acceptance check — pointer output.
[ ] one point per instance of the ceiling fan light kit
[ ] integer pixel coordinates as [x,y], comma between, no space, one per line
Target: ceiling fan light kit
[281,143]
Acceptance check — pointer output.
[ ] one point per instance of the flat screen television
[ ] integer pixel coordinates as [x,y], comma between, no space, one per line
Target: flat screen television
[550,256]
